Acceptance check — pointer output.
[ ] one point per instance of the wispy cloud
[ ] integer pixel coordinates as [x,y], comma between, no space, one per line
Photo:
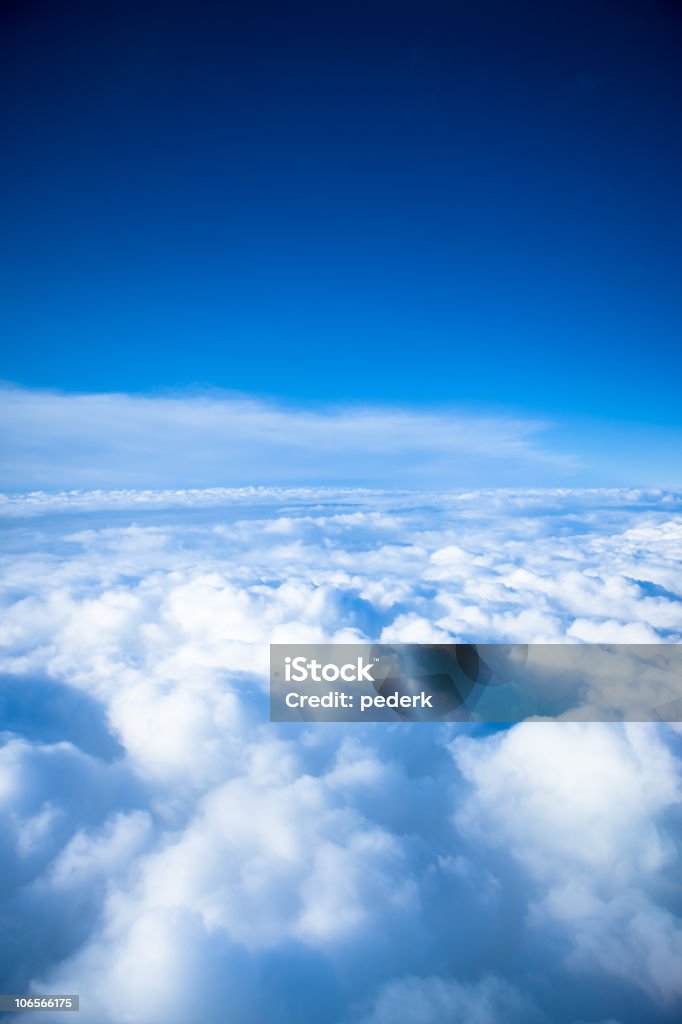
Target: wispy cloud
[52,439]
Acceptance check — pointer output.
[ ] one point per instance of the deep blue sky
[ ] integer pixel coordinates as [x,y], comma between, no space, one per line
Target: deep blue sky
[397,202]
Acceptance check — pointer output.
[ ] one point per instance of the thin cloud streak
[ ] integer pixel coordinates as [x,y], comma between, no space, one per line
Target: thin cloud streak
[58,440]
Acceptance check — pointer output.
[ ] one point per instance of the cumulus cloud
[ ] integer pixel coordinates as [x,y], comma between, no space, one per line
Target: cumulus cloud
[583,809]
[434,1000]
[178,854]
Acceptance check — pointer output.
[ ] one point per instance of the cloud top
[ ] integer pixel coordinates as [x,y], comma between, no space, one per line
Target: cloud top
[177,853]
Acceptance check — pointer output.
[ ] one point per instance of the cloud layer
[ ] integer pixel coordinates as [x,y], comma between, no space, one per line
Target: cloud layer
[177,854]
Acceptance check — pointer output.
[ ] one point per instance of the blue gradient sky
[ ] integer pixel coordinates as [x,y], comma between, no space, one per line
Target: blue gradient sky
[434,203]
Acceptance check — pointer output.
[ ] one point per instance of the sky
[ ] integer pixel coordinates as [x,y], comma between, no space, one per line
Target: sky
[392,203]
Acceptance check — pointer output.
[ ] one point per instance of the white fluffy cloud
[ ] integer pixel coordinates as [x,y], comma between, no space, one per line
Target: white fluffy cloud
[182,854]
[434,1000]
[583,808]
